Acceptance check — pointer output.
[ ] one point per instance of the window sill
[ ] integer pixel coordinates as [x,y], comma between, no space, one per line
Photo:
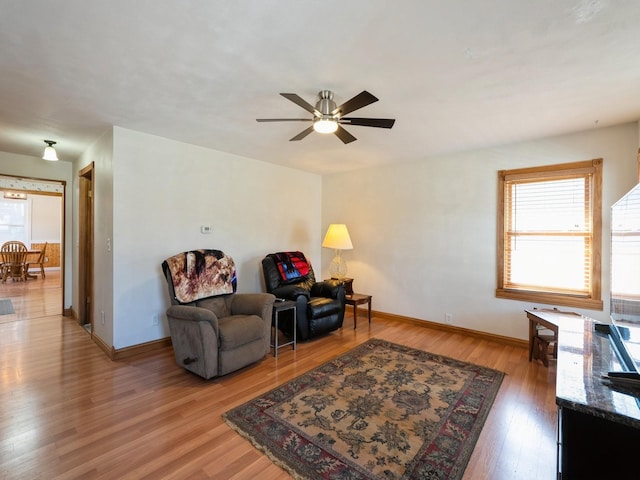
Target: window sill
[551,299]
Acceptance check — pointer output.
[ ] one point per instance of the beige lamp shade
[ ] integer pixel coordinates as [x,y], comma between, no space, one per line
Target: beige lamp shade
[337,237]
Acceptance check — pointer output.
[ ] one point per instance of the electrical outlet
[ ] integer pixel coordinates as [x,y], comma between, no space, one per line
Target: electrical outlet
[102,317]
[448,319]
[155,319]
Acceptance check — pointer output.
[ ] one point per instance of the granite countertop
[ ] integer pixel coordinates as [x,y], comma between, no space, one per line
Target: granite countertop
[584,355]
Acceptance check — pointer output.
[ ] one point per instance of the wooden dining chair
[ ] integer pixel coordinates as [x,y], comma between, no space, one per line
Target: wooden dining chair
[14,256]
[545,344]
[39,262]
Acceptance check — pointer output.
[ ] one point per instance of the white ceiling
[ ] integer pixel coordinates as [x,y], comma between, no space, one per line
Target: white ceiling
[456,75]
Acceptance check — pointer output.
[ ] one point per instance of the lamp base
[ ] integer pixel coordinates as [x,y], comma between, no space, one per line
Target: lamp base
[338,267]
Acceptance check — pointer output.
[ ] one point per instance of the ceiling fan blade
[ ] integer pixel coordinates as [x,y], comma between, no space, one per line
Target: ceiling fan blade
[283,119]
[301,103]
[363,99]
[369,122]
[343,135]
[302,134]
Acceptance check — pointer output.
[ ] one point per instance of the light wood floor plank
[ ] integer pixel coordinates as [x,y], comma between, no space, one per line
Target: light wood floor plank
[68,412]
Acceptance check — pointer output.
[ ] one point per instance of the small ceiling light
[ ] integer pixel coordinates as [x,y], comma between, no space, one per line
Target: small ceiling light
[325,124]
[15,195]
[50,152]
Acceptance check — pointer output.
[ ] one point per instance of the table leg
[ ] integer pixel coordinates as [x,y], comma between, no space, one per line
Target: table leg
[355,315]
[369,311]
[295,326]
[532,332]
[275,342]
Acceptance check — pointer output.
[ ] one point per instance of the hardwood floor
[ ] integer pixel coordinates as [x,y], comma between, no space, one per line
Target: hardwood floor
[33,298]
[68,412]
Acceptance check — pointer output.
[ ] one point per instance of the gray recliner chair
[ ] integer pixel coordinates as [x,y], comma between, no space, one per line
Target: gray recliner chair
[214,330]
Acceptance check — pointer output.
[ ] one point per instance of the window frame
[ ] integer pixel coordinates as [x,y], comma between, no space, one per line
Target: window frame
[593,299]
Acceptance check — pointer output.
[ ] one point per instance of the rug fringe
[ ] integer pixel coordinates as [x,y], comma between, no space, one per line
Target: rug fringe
[263,449]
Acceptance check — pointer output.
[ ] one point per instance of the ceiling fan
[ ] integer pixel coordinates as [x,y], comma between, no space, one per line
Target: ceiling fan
[328,118]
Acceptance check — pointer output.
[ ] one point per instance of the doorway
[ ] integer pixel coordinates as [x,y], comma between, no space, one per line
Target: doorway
[32,211]
[85,253]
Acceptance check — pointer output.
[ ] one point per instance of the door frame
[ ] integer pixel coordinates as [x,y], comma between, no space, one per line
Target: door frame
[86,183]
[63,217]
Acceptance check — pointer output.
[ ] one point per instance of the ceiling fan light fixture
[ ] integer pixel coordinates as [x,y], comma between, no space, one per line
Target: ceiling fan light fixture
[50,152]
[328,118]
[325,125]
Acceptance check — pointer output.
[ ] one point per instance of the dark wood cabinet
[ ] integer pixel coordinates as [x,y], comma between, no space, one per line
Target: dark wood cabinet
[593,447]
[598,422]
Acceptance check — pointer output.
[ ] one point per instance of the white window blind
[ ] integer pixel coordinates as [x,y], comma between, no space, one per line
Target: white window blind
[548,235]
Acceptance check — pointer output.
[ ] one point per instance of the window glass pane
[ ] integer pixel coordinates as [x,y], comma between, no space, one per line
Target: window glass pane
[549,263]
[12,220]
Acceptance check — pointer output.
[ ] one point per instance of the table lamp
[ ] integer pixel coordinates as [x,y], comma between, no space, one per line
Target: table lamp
[338,238]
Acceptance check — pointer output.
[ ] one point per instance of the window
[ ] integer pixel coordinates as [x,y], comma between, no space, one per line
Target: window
[550,234]
[13,220]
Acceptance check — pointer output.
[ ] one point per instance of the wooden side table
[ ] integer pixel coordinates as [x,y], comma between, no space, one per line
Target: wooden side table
[549,320]
[280,306]
[356,299]
[347,283]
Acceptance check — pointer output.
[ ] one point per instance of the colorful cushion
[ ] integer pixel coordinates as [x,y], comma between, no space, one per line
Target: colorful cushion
[292,266]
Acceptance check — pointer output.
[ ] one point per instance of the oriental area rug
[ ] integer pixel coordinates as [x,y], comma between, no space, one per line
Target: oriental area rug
[380,411]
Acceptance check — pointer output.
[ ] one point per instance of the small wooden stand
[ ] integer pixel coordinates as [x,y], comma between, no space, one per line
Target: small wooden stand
[356,299]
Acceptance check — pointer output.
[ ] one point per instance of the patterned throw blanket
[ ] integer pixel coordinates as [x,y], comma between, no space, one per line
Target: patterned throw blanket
[200,274]
[291,265]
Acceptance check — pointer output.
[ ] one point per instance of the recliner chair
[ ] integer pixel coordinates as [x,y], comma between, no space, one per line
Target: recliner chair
[319,305]
[214,330]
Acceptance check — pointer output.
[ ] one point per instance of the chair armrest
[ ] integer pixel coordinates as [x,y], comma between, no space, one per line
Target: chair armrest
[252,303]
[290,292]
[327,288]
[187,313]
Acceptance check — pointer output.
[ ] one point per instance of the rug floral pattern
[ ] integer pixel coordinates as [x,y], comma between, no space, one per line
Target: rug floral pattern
[380,411]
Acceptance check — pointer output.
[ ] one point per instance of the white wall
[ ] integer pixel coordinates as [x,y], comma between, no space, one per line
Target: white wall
[46,221]
[164,190]
[101,154]
[424,233]
[34,167]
